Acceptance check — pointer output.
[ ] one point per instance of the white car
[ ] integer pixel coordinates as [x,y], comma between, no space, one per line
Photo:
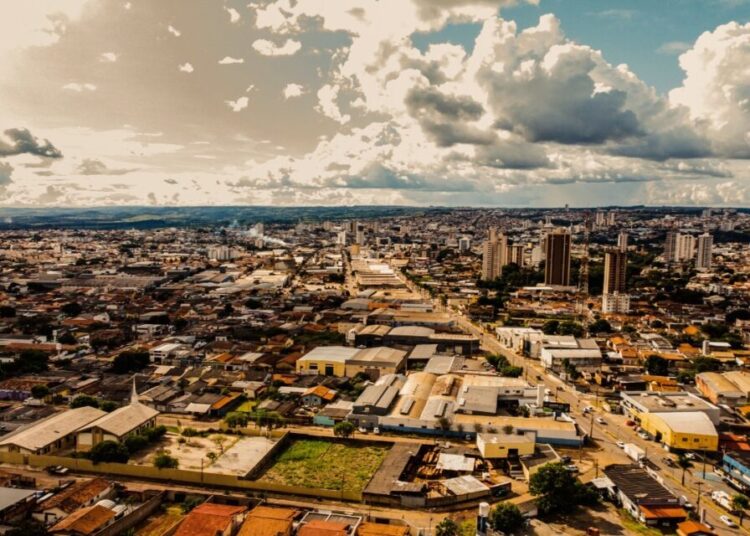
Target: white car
[620,444]
[643,435]
[728,522]
[600,420]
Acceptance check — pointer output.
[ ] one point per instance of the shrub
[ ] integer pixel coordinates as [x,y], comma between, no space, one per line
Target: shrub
[109,452]
[165,461]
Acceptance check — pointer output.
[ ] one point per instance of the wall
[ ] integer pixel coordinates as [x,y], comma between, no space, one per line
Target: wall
[133,518]
[181,476]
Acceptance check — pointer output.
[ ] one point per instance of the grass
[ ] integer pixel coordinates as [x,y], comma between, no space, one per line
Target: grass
[313,463]
[247,406]
[159,525]
[634,526]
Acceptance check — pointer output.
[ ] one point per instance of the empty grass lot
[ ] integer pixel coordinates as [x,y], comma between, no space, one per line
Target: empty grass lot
[322,464]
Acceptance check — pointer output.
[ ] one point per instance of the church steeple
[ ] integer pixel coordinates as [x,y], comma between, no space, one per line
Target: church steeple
[134,394]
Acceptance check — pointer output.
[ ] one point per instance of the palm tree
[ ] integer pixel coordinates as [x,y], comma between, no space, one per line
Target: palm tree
[478,427]
[683,463]
[740,503]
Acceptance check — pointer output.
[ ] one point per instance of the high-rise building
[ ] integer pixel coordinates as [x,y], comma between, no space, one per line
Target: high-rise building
[622,241]
[679,247]
[359,237]
[600,218]
[464,244]
[704,258]
[494,255]
[615,303]
[557,258]
[515,254]
[615,268]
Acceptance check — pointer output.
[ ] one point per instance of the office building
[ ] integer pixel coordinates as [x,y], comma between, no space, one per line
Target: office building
[703,260]
[557,255]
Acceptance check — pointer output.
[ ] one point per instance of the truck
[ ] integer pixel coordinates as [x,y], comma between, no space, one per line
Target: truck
[634,452]
[723,499]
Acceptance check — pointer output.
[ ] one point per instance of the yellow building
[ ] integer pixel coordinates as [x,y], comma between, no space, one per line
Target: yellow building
[493,446]
[326,360]
[692,430]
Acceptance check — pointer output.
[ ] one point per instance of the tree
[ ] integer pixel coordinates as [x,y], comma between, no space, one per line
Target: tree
[740,503]
[109,452]
[28,527]
[164,461]
[71,309]
[550,327]
[212,456]
[557,490]
[447,527]
[600,326]
[506,517]
[40,391]
[7,311]
[478,428]
[444,423]
[507,429]
[67,338]
[130,361]
[155,434]
[108,406]
[683,463]
[236,419]
[657,365]
[343,429]
[219,441]
[84,400]
[570,328]
[135,443]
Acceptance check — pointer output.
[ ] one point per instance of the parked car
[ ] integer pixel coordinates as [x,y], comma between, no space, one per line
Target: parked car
[728,522]
[600,420]
[643,435]
[573,468]
[690,455]
[620,444]
[669,462]
[686,504]
[630,423]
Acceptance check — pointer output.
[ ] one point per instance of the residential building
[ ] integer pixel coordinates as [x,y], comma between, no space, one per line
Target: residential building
[557,259]
[704,257]
[615,271]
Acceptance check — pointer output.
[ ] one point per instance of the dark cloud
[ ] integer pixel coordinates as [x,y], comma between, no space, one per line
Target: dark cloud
[23,142]
[91,166]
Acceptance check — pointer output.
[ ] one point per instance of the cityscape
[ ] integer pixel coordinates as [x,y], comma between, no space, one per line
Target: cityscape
[374,267]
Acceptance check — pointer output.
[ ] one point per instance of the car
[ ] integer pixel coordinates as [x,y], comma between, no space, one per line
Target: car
[669,462]
[728,522]
[686,504]
[690,455]
[362,430]
[620,444]
[376,430]
[629,423]
[565,459]
[643,435]
[573,468]
[600,420]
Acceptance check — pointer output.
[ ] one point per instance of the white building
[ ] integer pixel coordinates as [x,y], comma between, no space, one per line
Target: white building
[704,259]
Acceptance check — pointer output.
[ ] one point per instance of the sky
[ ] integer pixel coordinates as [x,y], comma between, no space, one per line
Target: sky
[515,103]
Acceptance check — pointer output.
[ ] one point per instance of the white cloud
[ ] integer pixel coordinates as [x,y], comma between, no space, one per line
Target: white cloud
[37,23]
[174,31]
[229,60]
[293,90]
[108,57]
[673,47]
[328,106]
[269,48]
[79,87]
[234,15]
[186,67]
[239,104]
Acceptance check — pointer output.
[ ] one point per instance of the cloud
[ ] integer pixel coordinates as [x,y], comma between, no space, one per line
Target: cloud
[269,48]
[673,47]
[20,141]
[6,172]
[228,60]
[293,90]
[716,88]
[239,104]
[91,166]
[327,105]
[186,67]
[174,31]
[234,15]
[617,14]
[108,57]
[79,87]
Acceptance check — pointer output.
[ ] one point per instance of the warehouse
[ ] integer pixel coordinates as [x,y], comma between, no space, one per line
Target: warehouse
[682,431]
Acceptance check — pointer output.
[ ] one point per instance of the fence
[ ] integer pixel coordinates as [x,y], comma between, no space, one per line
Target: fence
[199,478]
[133,518]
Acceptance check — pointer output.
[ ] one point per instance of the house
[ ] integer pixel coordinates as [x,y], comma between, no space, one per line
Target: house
[379,529]
[268,521]
[83,522]
[57,432]
[317,396]
[643,497]
[15,503]
[319,527]
[374,362]
[326,360]
[209,519]
[117,425]
[78,495]
[693,528]
[730,388]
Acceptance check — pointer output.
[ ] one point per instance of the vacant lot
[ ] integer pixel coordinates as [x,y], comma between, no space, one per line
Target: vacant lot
[312,463]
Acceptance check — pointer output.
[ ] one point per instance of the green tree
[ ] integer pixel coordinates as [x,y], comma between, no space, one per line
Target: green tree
[84,400]
[135,443]
[155,434]
[550,327]
[447,527]
[109,452]
[570,328]
[236,419]
[600,326]
[71,309]
[164,461]
[683,463]
[130,361]
[557,490]
[28,527]
[657,365]
[108,406]
[40,391]
[7,311]
[343,429]
[506,517]
[740,503]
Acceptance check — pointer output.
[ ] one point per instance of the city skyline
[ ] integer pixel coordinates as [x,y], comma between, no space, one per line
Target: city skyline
[450,103]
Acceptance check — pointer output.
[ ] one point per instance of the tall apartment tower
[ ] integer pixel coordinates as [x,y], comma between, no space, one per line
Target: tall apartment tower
[615,268]
[622,241]
[494,255]
[679,247]
[557,256]
[704,258]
